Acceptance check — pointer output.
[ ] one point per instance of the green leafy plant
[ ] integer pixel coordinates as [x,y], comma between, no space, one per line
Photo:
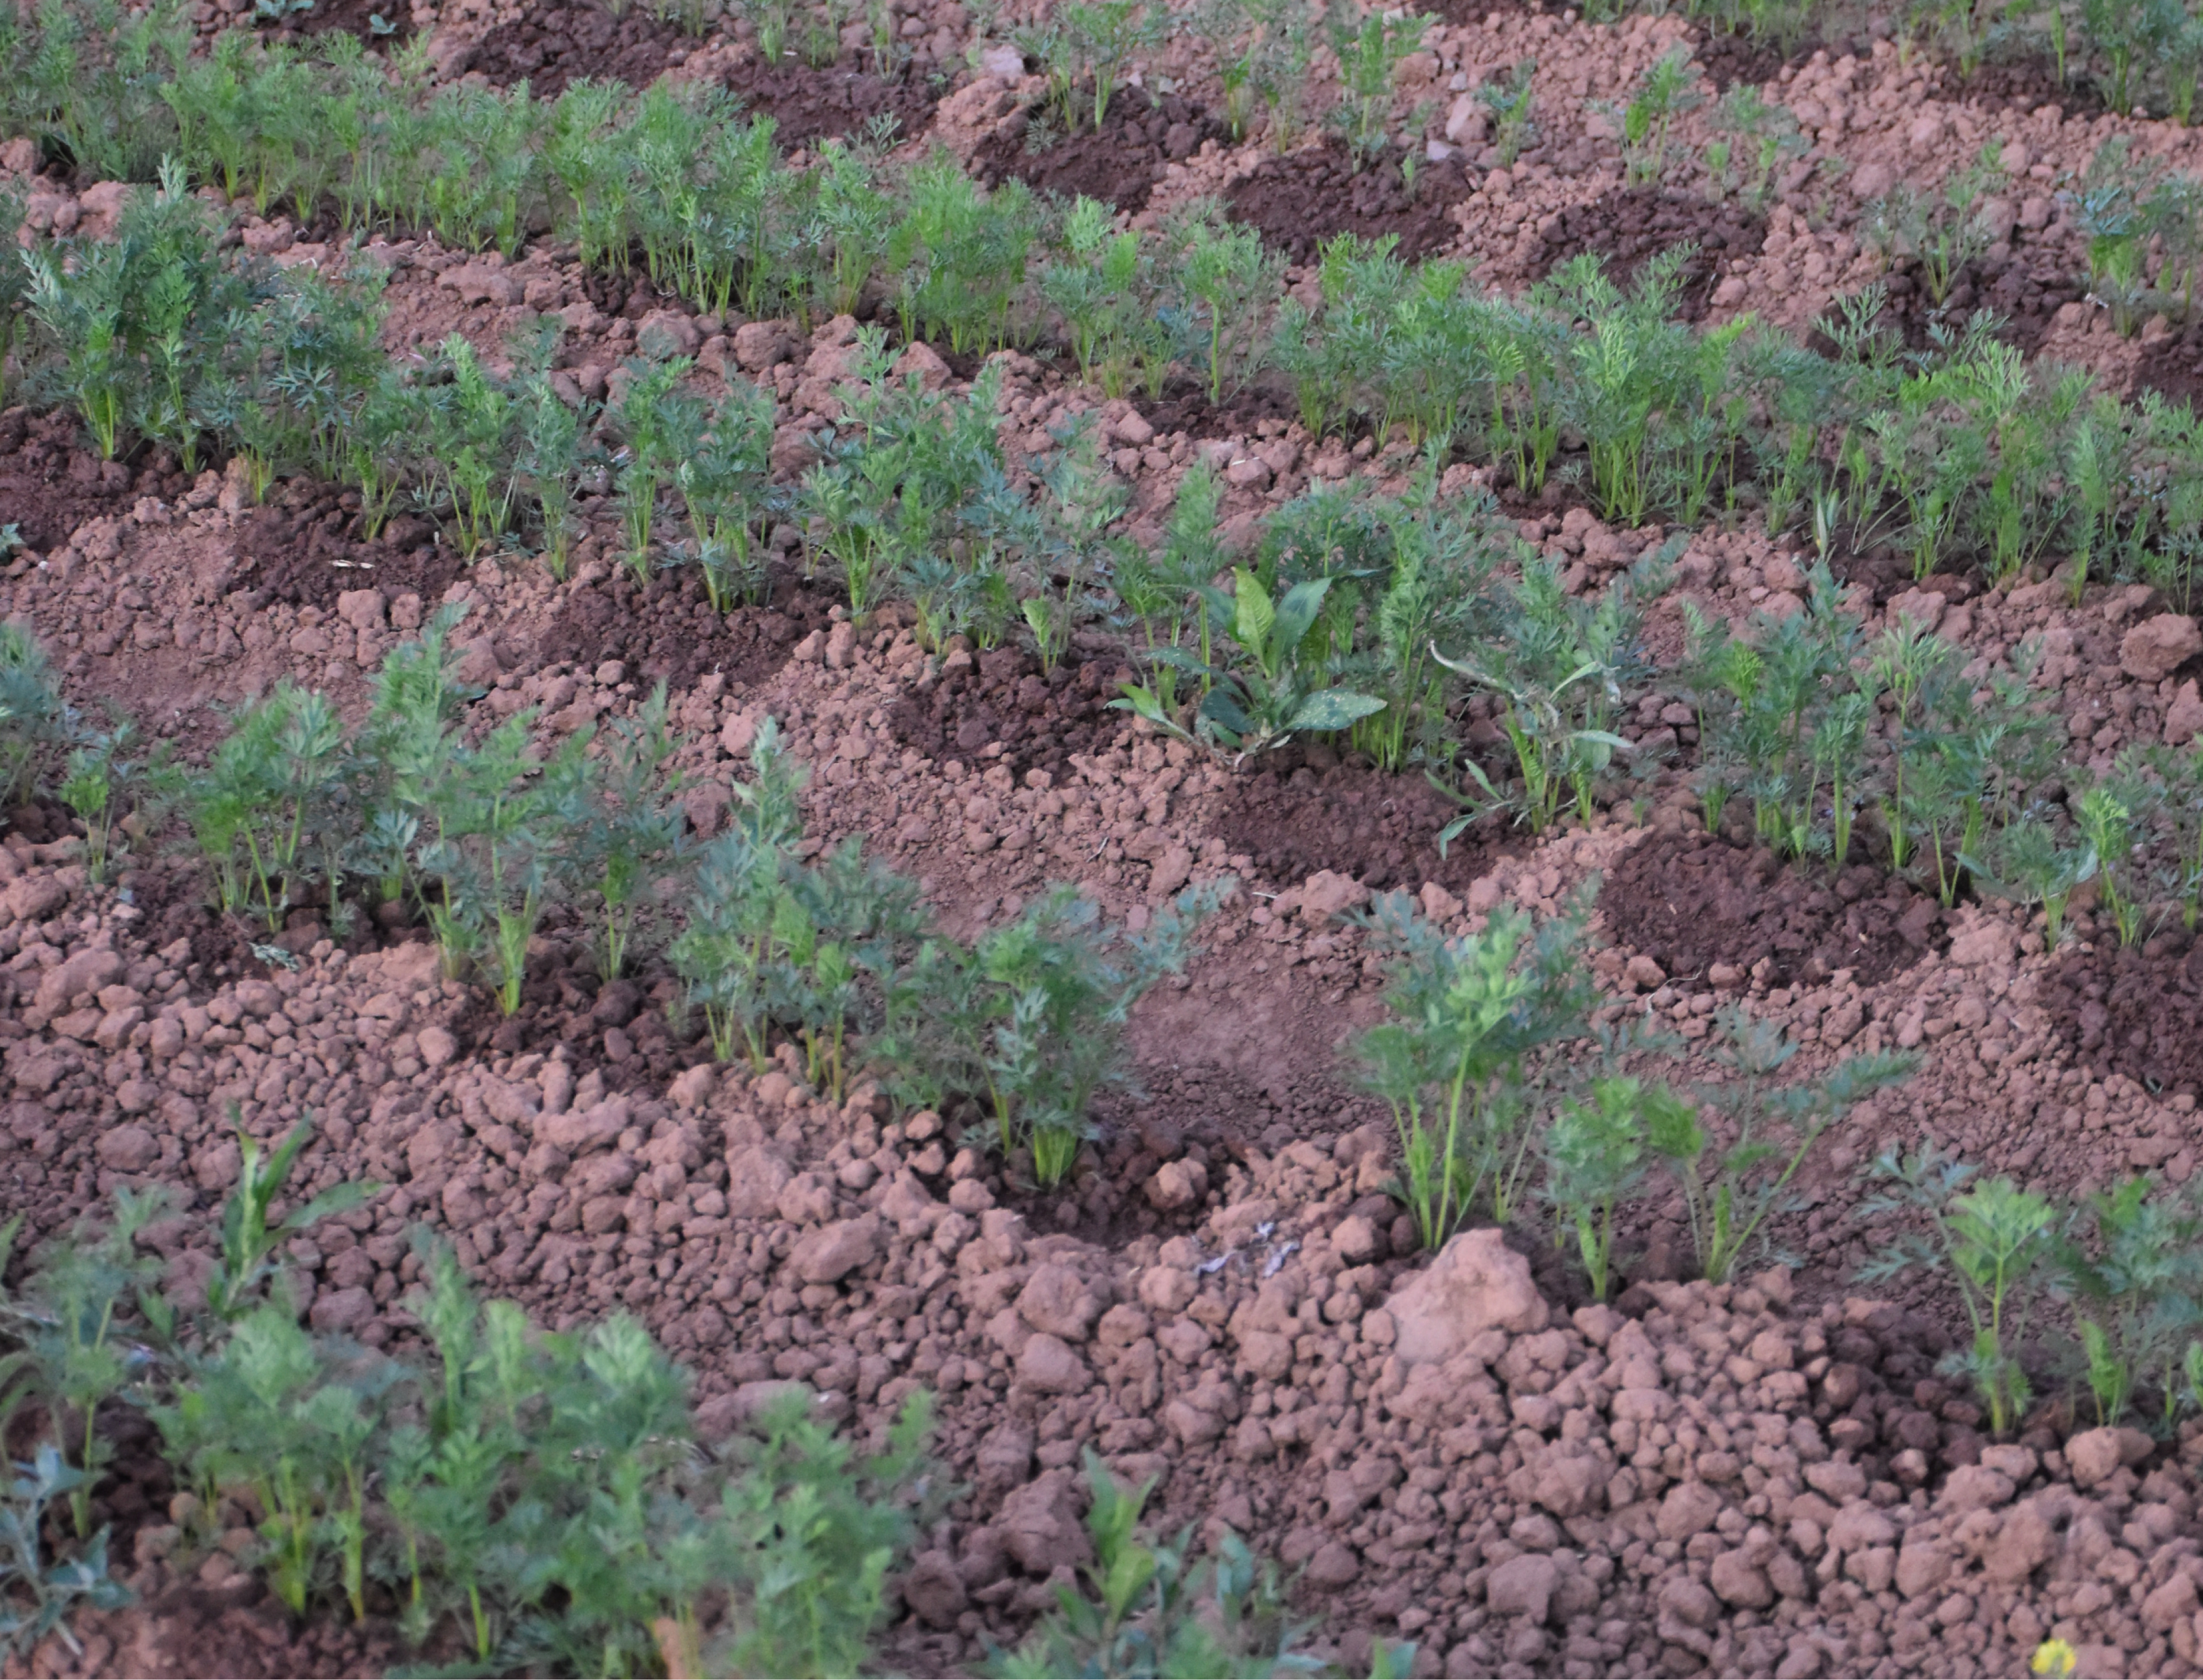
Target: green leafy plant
[269,1409]
[249,1235]
[1466,1015]
[1995,1239]
[1256,708]
[72,1356]
[1226,279]
[263,797]
[2132,1265]
[2023,863]
[1031,1018]
[40,1592]
[1510,101]
[1557,666]
[626,829]
[34,723]
[1154,1610]
[97,782]
[1369,48]
[1595,1156]
[1729,1198]
[1663,94]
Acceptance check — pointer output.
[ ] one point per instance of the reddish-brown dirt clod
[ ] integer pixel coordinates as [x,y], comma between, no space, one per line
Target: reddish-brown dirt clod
[1308,197]
[1119,163]
[49,483]
[1691,900]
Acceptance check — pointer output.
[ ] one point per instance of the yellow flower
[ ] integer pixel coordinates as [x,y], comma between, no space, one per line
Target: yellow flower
[2054,1657]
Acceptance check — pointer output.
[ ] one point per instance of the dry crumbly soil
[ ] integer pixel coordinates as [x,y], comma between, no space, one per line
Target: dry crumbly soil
[1767,1478]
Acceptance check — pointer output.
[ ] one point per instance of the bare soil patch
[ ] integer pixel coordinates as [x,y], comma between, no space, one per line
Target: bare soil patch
[2133,1010]
[809,105]
[1689,901]
[1629,226]
[1306,197]
[568,43]
[303,548]
[1004,709]
[49,484]
[1119,162]
[669,631]
[1295,821]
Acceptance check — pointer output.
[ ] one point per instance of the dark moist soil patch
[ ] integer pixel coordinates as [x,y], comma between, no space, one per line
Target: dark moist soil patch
[809,105]
[1730,59]
[1296,821]
[1305,198]
[2023,84]
[2026,296]
[1037,721]
[49,483]
[612,1028]
[2133,1011]
[570,42]
[2173,368]
[1628,225]
[1184,407]
[303,548]
[669,632]
[1120,163]
[1691,900]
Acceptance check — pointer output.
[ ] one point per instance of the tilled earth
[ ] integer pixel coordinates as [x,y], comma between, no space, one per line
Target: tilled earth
[1763,1478]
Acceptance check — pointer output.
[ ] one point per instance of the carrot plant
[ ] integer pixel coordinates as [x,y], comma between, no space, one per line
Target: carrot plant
[1595,1157]
[1029,1020]
[1369,49]
[35,725]
[1995,1239]
[2131,1261]
[1728,1196]
[1453,1059]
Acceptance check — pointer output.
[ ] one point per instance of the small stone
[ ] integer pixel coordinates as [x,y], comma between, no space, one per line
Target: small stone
[934,1590]
[1739,1581]
[436,1045]
[2183,718]
[1176,1184]
[342,1311]
[1689,1603]
[1644,973]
